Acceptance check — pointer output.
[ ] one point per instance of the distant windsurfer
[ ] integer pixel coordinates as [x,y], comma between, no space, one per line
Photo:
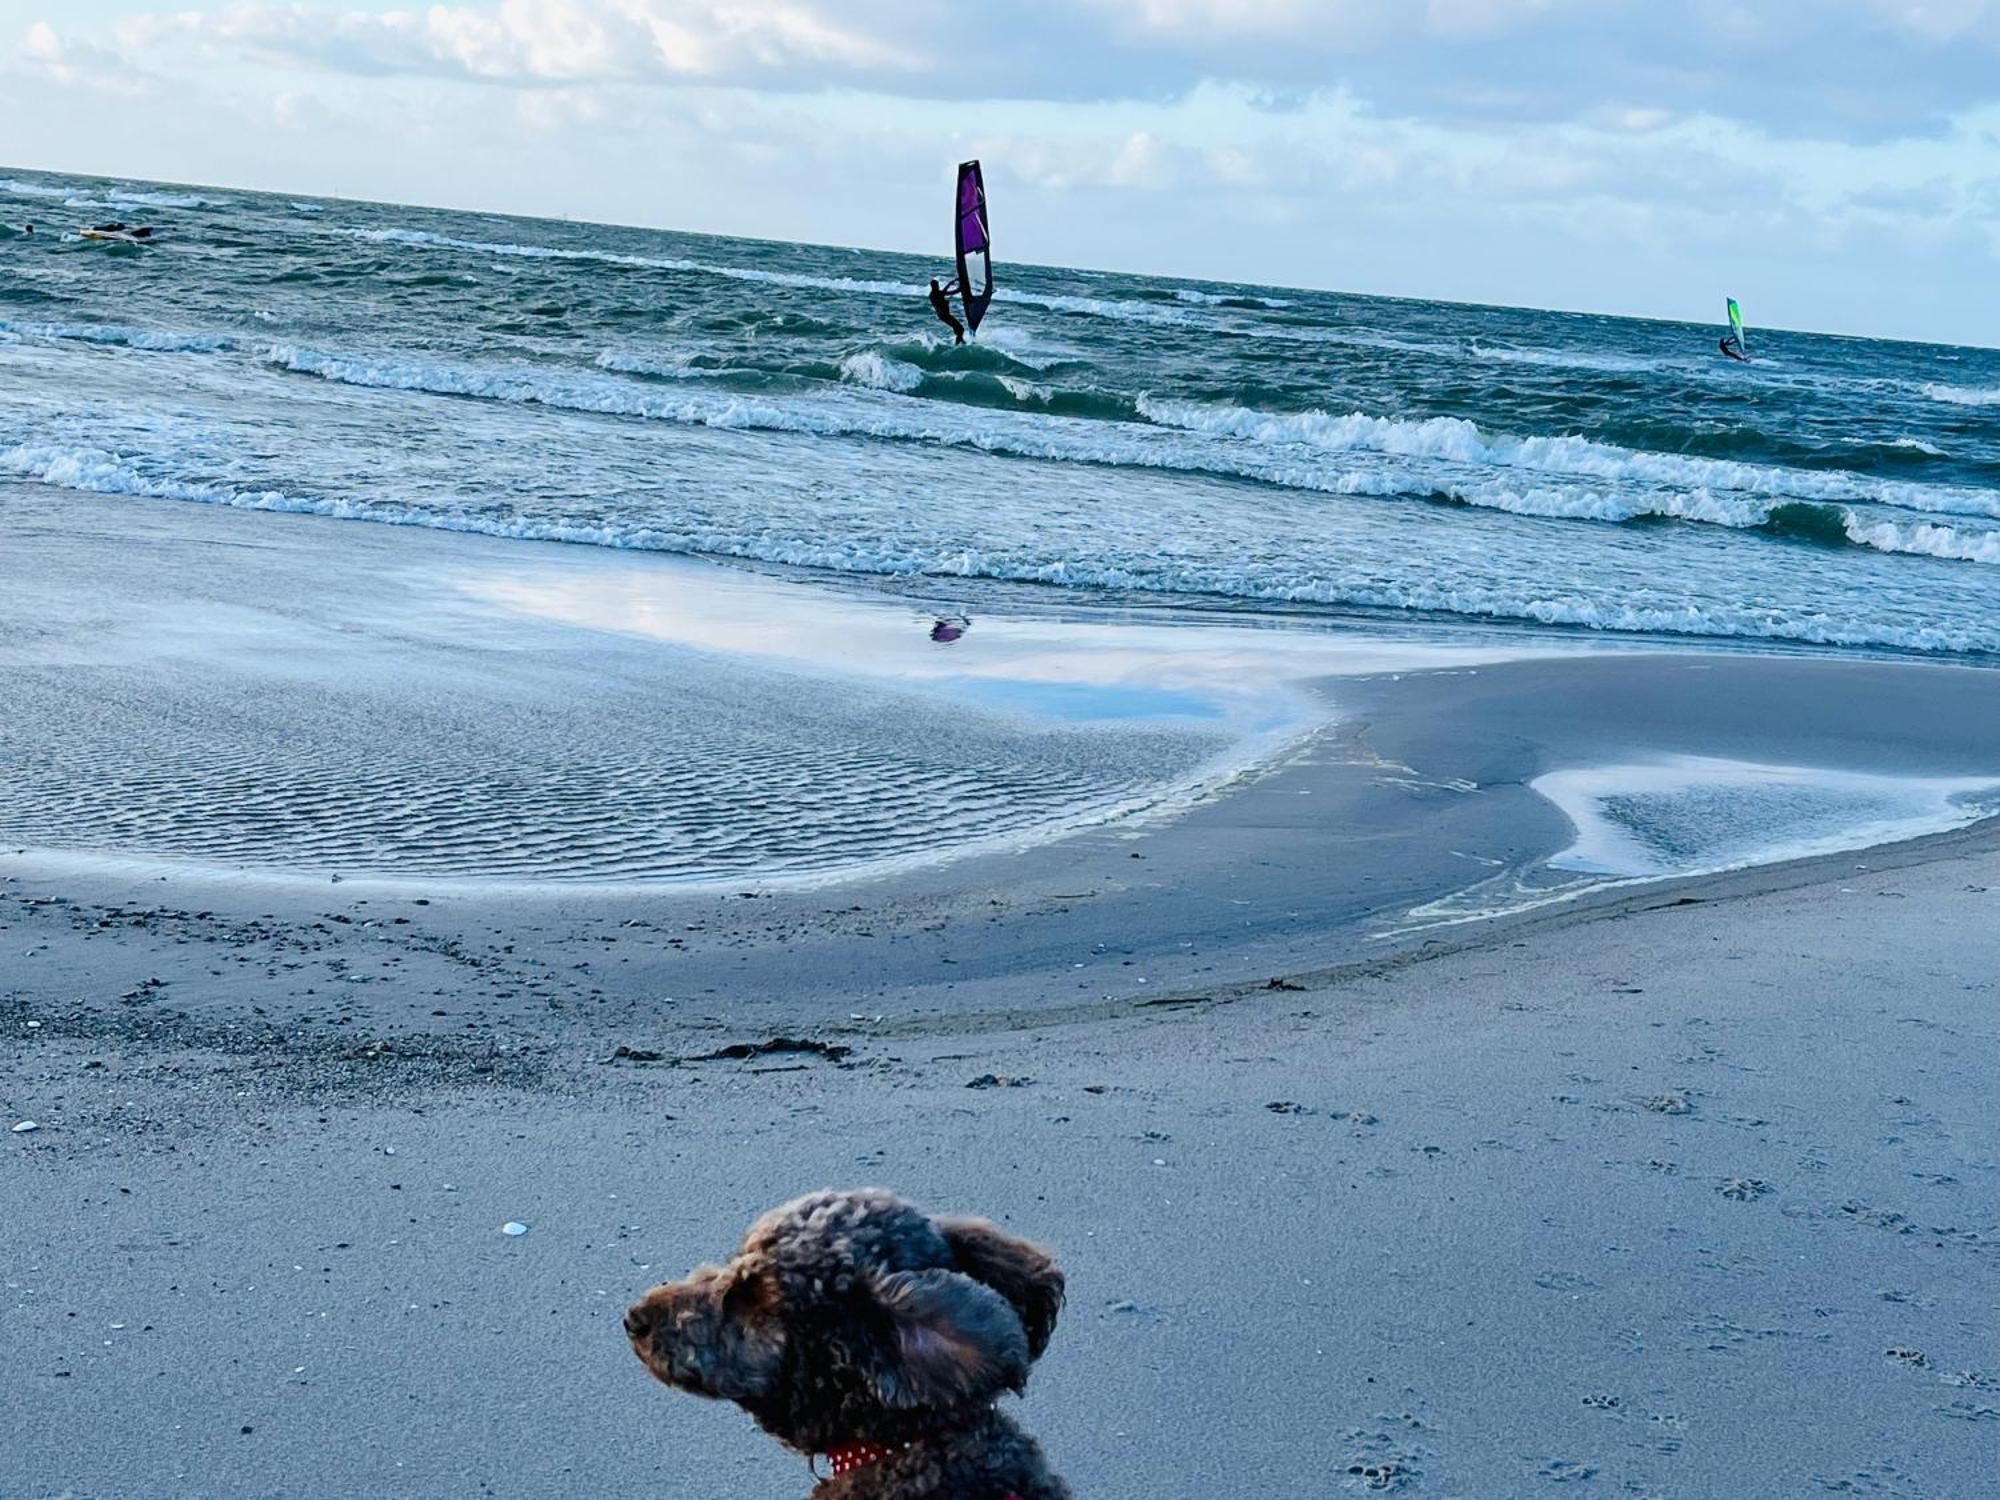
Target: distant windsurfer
[1728,345]
[941,305]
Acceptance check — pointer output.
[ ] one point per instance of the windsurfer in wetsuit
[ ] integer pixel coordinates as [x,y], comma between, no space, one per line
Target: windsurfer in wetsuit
[1730,347]
[941,305]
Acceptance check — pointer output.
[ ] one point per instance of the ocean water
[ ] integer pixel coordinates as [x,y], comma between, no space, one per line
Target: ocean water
[1200,444]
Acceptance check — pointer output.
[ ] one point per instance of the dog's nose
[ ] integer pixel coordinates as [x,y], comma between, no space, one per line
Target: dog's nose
[638,1322]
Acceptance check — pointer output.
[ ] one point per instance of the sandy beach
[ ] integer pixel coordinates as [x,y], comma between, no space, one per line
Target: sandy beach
[1687,1196]
[1445,1064]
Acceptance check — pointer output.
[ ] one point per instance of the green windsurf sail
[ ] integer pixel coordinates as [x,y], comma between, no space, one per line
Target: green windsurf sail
[1736,324]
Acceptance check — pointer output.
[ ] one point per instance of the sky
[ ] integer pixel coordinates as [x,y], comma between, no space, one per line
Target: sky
[1835,164]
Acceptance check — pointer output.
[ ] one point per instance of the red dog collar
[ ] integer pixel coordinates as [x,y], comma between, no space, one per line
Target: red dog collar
[850,1457]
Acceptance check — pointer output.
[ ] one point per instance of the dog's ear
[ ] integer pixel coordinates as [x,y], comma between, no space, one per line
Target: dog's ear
[949,1341]
[1026,1275]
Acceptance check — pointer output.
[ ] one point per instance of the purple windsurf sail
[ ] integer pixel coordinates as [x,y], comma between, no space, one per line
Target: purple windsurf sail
[975,250]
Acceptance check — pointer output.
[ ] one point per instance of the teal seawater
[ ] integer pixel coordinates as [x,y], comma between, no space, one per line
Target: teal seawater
[1201,443]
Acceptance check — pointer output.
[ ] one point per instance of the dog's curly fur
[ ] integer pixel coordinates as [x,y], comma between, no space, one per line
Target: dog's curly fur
[852,1317]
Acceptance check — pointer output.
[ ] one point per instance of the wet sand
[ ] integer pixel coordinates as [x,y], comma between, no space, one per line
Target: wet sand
[1676,1188]
[1693,1196]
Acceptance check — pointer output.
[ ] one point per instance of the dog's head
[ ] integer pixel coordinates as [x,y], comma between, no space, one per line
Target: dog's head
[854,1314]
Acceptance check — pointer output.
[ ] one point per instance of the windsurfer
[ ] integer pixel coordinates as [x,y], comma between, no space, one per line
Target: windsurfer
[941,305]
[1730,347]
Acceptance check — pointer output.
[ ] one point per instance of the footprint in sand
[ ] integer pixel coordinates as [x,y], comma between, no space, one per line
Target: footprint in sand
[1377,1463]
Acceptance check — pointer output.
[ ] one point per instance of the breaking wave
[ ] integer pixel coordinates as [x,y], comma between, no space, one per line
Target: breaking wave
[1963,395]
[1926,539]
[155,340]
[1460,442]
[879,373]
[163,200]
[20,189]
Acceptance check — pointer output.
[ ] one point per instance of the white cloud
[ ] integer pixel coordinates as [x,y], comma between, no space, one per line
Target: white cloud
[537,41]
[1940,20]
[45,53]
[1335,24]
[1265,18]
[289,109]
[41,46]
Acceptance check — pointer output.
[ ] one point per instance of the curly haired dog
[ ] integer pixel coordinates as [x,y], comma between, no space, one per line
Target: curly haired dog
[854,1325]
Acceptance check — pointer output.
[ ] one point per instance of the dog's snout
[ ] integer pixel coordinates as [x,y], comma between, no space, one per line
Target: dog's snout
[638,1321]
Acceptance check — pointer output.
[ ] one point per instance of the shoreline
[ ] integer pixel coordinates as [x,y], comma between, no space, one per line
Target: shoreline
[1403,803]
[660,722]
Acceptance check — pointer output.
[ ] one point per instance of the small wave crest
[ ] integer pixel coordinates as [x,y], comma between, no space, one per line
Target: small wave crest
[880,373]
[1927,539]
[1963,395]
[1242,301]
[1117,309]
[154,340]
[1840,526]
[16,188]
[163,200]
[1566,359]
[100,471]
[972,376]
[676,366]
